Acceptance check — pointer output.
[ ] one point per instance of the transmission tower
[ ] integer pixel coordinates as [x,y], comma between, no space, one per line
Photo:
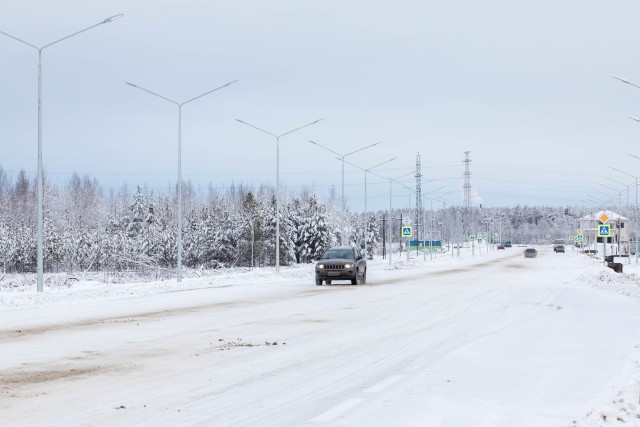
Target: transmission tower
[467,181]
[418,196]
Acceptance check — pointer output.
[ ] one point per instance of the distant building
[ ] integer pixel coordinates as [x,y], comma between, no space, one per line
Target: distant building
[619,238]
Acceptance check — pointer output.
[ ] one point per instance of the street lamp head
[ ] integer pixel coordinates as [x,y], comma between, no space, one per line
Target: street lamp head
[622,80]
[634,118]
[112,18]
[229,84]
[131,84]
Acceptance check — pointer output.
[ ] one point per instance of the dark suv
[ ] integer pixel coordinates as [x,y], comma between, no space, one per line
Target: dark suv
[342,263]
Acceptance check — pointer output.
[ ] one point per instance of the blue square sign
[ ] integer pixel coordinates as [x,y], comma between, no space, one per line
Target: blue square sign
[604,230]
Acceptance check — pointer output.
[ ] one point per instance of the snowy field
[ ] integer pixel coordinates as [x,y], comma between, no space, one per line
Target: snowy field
[492,339]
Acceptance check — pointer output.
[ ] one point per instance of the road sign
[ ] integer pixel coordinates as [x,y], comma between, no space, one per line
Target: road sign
[407,231]
[479,240]
[604,230]
[579,231]
[579,237]
[604,218]
[472,238]
[548,236]
[572,238]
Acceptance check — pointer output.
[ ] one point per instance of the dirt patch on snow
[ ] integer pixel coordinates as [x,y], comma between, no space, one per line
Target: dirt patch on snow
[13,379]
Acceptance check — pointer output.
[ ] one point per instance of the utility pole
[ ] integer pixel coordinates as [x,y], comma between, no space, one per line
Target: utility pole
[418,200]
[467,198]
[384,237]
[467,181]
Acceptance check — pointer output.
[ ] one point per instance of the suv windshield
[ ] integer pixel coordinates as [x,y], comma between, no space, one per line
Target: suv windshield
[338,253]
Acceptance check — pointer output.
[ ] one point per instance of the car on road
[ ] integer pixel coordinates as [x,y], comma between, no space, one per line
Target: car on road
[342,263]
[530,253]
[500,246]
[507,244]
[558,248]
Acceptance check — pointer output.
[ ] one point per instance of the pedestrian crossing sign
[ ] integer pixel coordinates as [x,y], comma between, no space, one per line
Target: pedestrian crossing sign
[579,237]
[407,231]
[604,230]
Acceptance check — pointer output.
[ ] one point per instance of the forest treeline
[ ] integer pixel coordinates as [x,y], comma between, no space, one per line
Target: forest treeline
[87,229]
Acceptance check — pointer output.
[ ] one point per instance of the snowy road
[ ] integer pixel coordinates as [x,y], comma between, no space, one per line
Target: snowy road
[501,341]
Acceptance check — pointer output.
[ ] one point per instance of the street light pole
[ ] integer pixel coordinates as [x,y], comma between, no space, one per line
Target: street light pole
[365,195]
[621,183]
[179,105]
[619,195]
[277,137]
[391,180]
[342,156]
[636,178]
[39,250]
[431,199]
[636,210]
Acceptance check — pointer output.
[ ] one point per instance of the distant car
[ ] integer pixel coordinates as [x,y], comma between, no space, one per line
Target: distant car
[507,244]
[530,253]
[500,246]
[342,263]
[558,248]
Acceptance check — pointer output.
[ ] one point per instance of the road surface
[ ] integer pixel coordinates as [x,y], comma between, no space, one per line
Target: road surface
[503,341]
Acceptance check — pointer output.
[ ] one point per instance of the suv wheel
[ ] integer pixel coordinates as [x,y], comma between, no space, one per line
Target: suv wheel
[363,281]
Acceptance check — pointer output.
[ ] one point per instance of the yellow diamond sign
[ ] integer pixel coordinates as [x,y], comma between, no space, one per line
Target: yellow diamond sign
[604,218]
[579,231]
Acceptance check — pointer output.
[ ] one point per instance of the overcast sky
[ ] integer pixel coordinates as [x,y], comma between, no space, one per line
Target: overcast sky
[525,87]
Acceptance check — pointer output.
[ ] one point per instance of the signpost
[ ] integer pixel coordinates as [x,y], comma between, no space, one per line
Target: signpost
[407,231]
[579,238]
[604,231]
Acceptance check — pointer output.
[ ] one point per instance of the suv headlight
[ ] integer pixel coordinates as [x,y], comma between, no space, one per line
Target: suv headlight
[320,266]
[348,265]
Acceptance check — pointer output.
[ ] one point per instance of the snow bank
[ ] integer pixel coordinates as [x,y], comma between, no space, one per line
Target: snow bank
[625,408]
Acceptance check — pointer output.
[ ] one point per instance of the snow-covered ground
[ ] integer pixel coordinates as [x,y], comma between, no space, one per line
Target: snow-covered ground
[492,339]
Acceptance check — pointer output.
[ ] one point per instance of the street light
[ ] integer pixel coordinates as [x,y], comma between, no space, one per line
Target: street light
[636,178]
[277,137]
[608,199]
[431,219]
[342,156]
[179,105]
[626,81]
[621,183]
[619,195]
[391,180]
[39,250]
[365,195]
